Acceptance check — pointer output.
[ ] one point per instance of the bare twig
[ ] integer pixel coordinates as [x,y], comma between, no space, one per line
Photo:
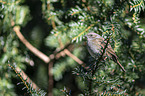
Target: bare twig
[64,52]
[42,56]
[50,80]
[73,56]
[67,52]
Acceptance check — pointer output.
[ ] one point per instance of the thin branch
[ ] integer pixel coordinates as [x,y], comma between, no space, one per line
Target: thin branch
[67,52]
[50,80]
[23,77]
[42,56]
[73,56]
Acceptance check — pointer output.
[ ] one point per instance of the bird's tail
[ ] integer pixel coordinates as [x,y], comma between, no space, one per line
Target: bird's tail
[121,66]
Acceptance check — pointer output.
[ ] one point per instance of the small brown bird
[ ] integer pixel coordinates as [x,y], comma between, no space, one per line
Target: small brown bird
[96,44]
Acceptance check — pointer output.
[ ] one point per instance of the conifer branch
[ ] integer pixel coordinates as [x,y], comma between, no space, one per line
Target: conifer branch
[84,31]
[21,74]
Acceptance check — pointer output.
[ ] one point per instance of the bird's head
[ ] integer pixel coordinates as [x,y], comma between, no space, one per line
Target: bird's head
[91,36]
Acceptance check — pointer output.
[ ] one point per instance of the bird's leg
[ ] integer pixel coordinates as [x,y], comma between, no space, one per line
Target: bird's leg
[94,65]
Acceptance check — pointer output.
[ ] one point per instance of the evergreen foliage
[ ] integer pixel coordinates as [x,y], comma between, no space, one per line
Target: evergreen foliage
[57,29]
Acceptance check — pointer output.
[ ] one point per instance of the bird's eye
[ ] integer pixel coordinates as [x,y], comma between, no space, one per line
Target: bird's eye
[91,35]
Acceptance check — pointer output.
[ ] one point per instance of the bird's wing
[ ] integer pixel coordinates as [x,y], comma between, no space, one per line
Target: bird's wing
[109,48]
[111,51]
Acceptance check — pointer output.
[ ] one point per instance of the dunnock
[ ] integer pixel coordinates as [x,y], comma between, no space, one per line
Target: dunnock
[96,44]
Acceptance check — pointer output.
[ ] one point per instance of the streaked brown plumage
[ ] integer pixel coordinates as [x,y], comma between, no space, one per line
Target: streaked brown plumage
[96,44]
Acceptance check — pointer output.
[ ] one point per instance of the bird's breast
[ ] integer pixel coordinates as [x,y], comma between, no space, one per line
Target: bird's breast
[94,48]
